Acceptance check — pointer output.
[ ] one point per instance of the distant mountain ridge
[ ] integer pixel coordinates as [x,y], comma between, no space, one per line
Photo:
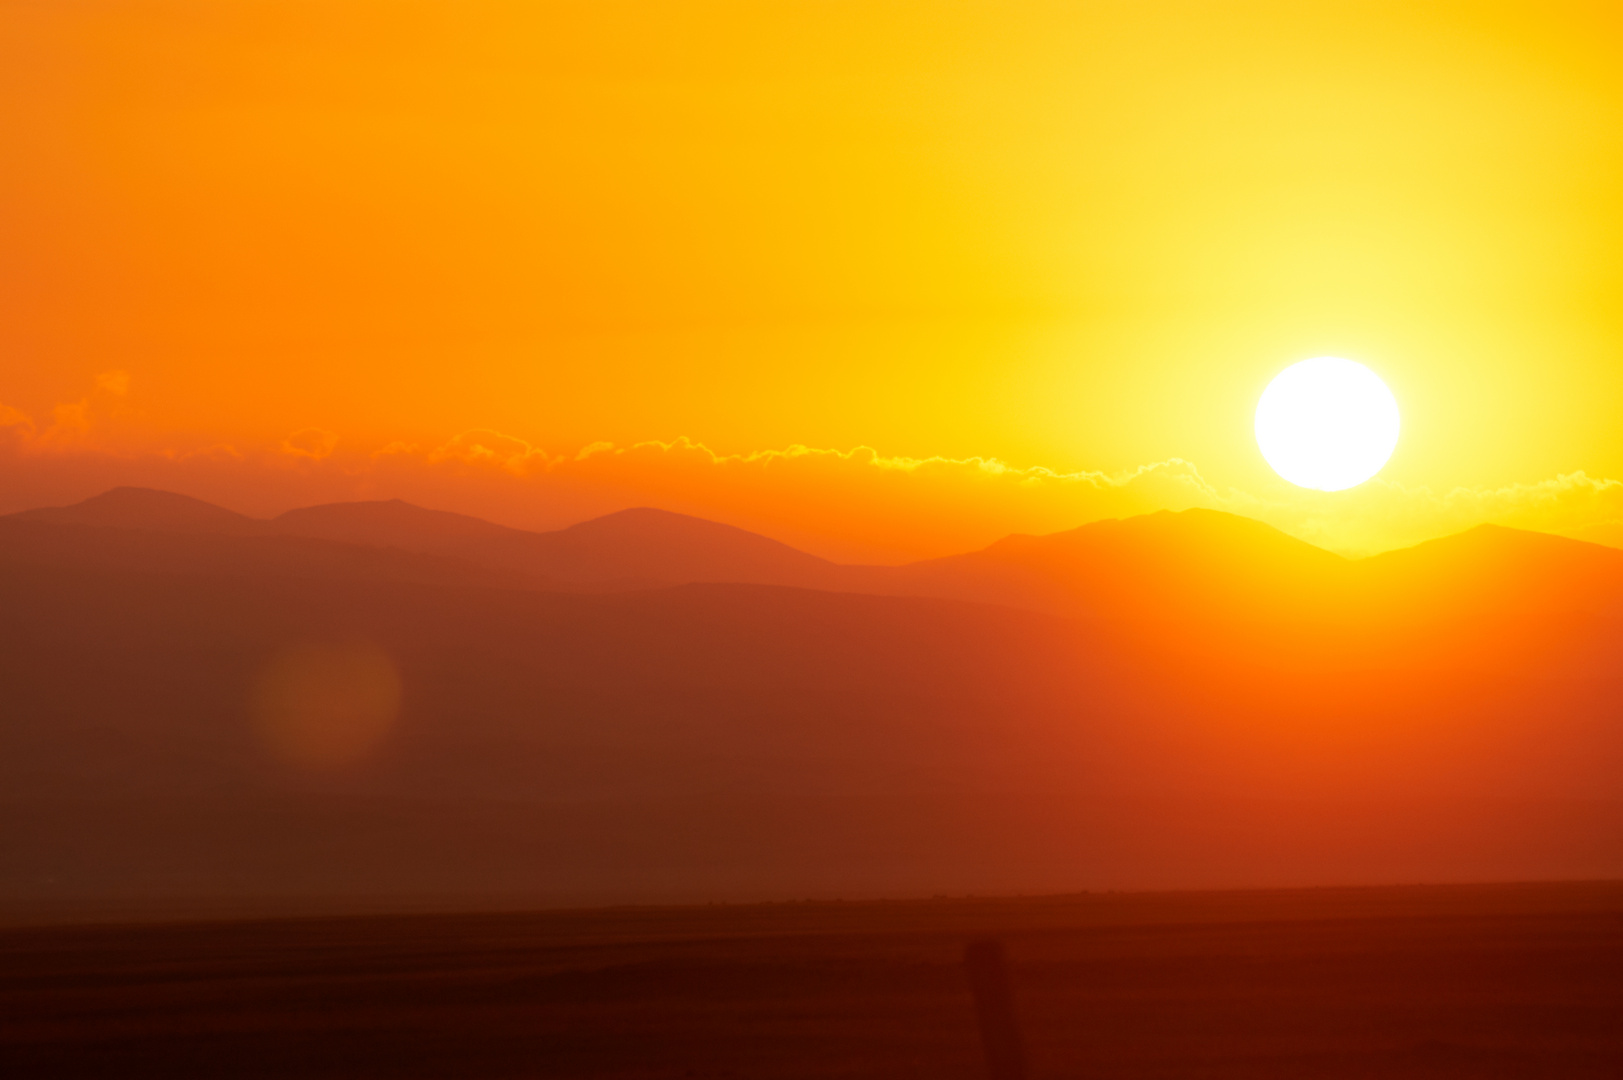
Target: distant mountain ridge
[636,548]
[1609,533]
[147,510]
[1188,568]
[640,546]
[1196,699]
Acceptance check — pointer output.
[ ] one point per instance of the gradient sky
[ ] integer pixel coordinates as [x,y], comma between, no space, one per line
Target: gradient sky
[881,279]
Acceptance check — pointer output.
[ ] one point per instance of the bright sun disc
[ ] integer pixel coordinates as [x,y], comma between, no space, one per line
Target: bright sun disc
[1327,423]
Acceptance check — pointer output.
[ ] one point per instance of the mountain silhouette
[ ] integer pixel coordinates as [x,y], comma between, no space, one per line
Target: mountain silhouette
[1196,700]
[1177,575]
[391,523]
[148,510]
[632,548]
[1150,567]
[1609,533]
[636,548]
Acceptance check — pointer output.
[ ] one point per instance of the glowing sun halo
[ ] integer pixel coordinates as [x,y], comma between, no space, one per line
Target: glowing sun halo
[1327,423]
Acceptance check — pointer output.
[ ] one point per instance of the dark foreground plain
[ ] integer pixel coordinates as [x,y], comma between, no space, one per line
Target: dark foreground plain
[1458,981]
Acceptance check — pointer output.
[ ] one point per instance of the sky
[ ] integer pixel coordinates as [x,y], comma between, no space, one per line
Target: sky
[882,280]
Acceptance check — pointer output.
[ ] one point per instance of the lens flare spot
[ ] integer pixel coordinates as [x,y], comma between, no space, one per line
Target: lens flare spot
[323,704]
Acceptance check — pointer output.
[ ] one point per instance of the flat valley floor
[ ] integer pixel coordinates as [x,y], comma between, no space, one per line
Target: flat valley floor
[1447,981]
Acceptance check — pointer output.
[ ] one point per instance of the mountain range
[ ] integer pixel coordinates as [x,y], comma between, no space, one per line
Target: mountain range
[638,548]
[649,705]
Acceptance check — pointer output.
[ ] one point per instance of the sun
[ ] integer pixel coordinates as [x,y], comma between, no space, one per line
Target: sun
[1327,423]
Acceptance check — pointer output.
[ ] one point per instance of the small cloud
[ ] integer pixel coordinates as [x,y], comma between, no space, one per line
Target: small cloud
[396,449]
[114,382]
[311,443]
[70,424]
[485,447]
[15,421]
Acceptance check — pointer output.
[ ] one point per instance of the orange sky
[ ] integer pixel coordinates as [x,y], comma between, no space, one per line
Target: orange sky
[1040,258]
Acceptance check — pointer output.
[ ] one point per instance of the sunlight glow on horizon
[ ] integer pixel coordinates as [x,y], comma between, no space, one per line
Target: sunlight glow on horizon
[283,254]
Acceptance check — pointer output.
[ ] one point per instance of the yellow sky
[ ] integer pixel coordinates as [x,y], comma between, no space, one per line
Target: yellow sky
[1069,237]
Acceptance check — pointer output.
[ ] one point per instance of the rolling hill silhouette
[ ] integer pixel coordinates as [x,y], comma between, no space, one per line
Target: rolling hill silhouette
[637,548]
[1609,533]
[632,548]
[1197,564]
[1195,700]
[147,510]
[27,541]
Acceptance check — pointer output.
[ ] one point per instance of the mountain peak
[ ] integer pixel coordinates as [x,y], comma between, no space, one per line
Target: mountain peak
[146,509]
[387,523]
[643,519]
[1497,564]
[647,544]
[1197,536]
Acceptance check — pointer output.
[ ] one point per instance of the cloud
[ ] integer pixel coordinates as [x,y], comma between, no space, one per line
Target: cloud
[15,424]
[485,447]
[853,504]
[314,444]
[70,427]
[931,505]
[1174,478]
[114,382]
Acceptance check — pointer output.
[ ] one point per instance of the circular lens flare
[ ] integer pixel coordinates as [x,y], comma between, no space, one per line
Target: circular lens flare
[324,704]
[1327,423]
